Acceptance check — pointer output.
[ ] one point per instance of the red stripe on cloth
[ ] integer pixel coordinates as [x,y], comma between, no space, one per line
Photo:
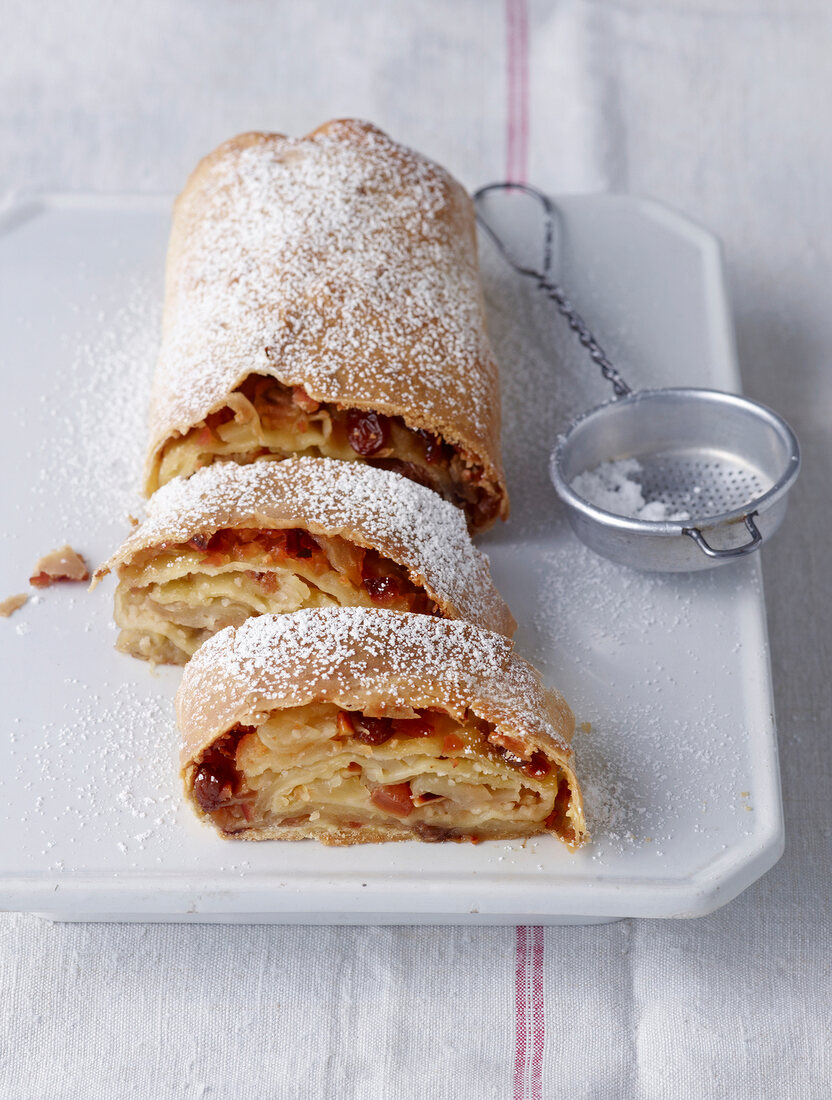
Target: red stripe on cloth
[517,84]
[521,1021]
[538,1013]
[530,1029]
[529,1016]
[511,88]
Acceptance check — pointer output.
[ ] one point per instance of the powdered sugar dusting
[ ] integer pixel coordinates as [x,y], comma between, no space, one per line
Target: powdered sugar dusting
[347,651]
[341,261]
[97,441]
[133,771]
[648,763]
[384,510]
[616,487]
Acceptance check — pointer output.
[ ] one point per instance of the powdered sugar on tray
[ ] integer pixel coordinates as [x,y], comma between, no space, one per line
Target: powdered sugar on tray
[616,487]
[120,735]
[99,429]
[639,634]
[660,759]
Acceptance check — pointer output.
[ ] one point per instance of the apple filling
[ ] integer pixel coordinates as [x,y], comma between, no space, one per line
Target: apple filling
[171,598]
[265,419]
[350,777]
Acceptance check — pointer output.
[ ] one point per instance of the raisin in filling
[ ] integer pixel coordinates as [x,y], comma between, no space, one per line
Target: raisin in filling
[217,783]
[375,731]
[370,435]
[232,794]
[386,582]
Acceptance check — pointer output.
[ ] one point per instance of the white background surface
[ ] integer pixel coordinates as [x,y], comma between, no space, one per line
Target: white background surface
[679,766]
[716,107]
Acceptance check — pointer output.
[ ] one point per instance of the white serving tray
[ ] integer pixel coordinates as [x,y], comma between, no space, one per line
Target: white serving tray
[680,767]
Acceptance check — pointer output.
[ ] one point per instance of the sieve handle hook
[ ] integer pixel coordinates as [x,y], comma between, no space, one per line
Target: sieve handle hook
[546,283]
[738,551]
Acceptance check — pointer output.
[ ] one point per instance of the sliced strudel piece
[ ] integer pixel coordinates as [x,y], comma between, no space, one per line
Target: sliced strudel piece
[322,298]
[350,725]
[234,541]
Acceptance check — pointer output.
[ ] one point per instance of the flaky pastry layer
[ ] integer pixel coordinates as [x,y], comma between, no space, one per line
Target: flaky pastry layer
[263,419]
[170,600]
[234,541]
[352,725]
[344,265]
[344,777]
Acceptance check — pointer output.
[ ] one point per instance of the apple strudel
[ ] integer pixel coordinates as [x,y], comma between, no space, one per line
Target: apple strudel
[235,541]
[322,298]
[349,725]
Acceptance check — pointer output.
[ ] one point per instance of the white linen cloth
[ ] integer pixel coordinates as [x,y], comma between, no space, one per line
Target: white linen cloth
[718,108]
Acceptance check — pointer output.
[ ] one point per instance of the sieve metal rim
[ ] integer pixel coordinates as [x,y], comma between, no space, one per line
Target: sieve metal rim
[679,527]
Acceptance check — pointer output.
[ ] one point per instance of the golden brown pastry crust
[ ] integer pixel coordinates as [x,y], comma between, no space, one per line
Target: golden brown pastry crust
[341,262]
[372,508]
[367,660]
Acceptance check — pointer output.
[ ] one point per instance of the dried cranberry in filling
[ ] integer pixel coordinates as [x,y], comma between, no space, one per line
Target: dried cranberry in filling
[198,542]
[538,765]
[214,783]
[222,542]
[372,731]
[384,581]
[268,582]
[382,589]
[217,775]
[394,798]
[367,432]
[413,727]
[557,819]
[435,449]
[484,509]
[299,544]
[452,743]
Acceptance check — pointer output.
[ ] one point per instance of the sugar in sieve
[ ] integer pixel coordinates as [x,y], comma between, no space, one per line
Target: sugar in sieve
[674,479]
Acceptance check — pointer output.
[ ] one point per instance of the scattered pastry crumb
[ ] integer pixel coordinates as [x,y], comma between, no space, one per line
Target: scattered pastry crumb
[12,604]
[585,727]
[59,565]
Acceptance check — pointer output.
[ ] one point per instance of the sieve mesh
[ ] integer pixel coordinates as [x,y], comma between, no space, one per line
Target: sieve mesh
[702,485]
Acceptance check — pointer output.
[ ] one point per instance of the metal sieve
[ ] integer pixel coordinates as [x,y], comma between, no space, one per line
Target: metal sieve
[719,466]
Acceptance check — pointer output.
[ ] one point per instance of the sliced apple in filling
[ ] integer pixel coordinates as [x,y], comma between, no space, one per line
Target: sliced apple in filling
[352,726]
[236,541]
[265,419]
[345,776]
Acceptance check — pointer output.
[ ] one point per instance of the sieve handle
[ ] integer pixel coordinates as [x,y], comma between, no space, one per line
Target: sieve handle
[547,284]
[738,551]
